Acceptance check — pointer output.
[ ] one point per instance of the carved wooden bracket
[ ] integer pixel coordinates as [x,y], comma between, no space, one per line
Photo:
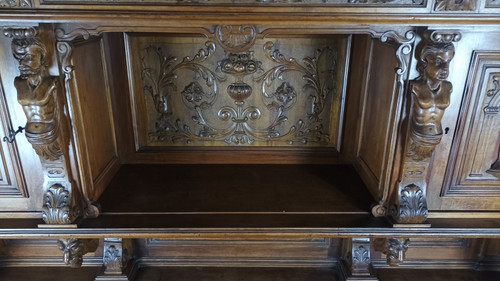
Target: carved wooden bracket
[430,96]
[395,250]
[73,250]
[37,92]
[358,260]
[405,45]
[116,256]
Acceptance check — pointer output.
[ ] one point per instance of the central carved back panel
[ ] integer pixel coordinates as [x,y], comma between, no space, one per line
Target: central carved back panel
[234,88]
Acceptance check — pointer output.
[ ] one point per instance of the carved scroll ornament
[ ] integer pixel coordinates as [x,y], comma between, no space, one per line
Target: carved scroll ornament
[254,98]
[430,96]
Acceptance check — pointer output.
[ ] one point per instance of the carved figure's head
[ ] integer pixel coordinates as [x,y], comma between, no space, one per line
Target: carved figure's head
[396,250]
[435,60]
[31,55]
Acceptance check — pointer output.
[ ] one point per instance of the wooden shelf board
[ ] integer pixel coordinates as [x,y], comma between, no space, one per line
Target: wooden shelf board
[236,189]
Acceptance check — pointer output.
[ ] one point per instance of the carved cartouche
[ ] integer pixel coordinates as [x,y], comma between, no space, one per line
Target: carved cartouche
[36,92]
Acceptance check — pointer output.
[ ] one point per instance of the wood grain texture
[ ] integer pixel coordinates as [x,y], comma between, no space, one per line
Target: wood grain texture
[93,119]
[235,188]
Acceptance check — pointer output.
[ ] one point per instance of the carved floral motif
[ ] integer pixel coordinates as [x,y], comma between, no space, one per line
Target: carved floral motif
[237,127]
[113,259]
[16,3]
[455,5]
[56,206]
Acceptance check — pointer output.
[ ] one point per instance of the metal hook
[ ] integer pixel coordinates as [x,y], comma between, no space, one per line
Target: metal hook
[12,134]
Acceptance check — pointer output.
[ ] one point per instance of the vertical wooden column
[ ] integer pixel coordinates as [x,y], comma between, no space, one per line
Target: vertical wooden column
[430,96]
[39,95]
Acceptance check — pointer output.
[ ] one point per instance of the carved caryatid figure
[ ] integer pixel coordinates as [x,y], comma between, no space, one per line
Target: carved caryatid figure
[430,97]
[36,92]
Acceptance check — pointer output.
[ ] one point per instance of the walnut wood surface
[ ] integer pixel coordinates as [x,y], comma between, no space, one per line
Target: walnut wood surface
[236,188]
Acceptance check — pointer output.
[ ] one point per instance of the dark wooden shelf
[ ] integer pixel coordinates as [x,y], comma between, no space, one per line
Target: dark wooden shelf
[230,189]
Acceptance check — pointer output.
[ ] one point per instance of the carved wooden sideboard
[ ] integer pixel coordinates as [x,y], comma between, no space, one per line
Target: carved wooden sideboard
[217,139]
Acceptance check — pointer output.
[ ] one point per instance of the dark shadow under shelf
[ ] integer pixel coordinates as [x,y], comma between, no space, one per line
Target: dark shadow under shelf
[300,189]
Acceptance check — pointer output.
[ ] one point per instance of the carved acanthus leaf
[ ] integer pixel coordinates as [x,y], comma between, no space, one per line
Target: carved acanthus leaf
[56,207]
[412,205]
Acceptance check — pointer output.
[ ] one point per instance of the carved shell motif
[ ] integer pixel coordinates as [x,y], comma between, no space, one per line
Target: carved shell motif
[236,39]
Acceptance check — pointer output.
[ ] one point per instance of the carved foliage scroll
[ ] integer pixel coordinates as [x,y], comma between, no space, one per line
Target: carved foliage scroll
[430,96]
[474,166]
[247,92]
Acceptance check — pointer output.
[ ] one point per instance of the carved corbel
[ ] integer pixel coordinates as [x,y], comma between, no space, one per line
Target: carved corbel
[37,92]
[64,47]
[115,258]
[395,250]
[358,260]
[73,250]
[430,96]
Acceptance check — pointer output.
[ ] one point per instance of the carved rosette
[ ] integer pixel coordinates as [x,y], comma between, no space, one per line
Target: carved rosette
[430,96]
[73,250]
[395,250]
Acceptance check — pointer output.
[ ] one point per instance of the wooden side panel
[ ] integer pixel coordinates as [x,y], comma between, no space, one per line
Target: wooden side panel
[93,117]
[12,182]
[458,179]
[377,113]
[473,168]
